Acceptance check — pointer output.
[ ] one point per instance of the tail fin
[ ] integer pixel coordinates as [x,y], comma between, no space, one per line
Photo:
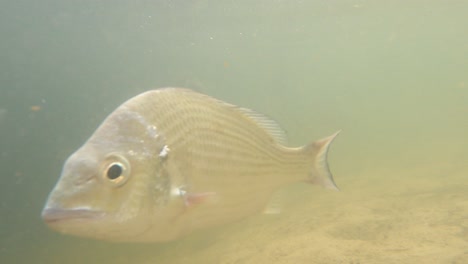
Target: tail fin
[320,173]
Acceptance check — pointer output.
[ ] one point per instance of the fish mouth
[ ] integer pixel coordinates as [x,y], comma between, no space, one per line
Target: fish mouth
[53,215]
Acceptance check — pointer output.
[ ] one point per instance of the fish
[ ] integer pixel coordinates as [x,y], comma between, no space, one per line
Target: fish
[171,161]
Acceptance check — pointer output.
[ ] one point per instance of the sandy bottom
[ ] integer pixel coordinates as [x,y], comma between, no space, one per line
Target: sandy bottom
[415,216]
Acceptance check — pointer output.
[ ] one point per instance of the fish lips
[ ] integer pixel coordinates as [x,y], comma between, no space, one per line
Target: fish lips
[55,215]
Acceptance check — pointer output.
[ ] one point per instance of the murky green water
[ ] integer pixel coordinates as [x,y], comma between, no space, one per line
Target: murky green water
[392,74]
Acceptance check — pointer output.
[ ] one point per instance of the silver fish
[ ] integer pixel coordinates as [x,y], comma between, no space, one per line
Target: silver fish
[171,161]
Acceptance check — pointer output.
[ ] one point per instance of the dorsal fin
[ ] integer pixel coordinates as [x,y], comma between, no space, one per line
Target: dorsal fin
[270,125]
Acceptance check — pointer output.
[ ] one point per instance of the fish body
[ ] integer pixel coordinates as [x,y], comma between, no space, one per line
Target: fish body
[171,161]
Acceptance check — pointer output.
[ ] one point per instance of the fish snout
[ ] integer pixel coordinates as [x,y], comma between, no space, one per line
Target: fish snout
[57,214]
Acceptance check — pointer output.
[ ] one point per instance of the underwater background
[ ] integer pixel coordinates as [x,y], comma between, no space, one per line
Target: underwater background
[393,75]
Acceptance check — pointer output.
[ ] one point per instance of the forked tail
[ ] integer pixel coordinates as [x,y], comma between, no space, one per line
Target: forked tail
[320,173]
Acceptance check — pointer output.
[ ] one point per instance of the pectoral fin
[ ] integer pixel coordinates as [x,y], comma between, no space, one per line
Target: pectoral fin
[191,199]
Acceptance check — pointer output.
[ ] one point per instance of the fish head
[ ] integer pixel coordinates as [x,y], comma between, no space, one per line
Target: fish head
[113,187]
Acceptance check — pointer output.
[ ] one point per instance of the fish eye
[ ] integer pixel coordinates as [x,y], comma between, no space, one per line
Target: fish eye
[116,170]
